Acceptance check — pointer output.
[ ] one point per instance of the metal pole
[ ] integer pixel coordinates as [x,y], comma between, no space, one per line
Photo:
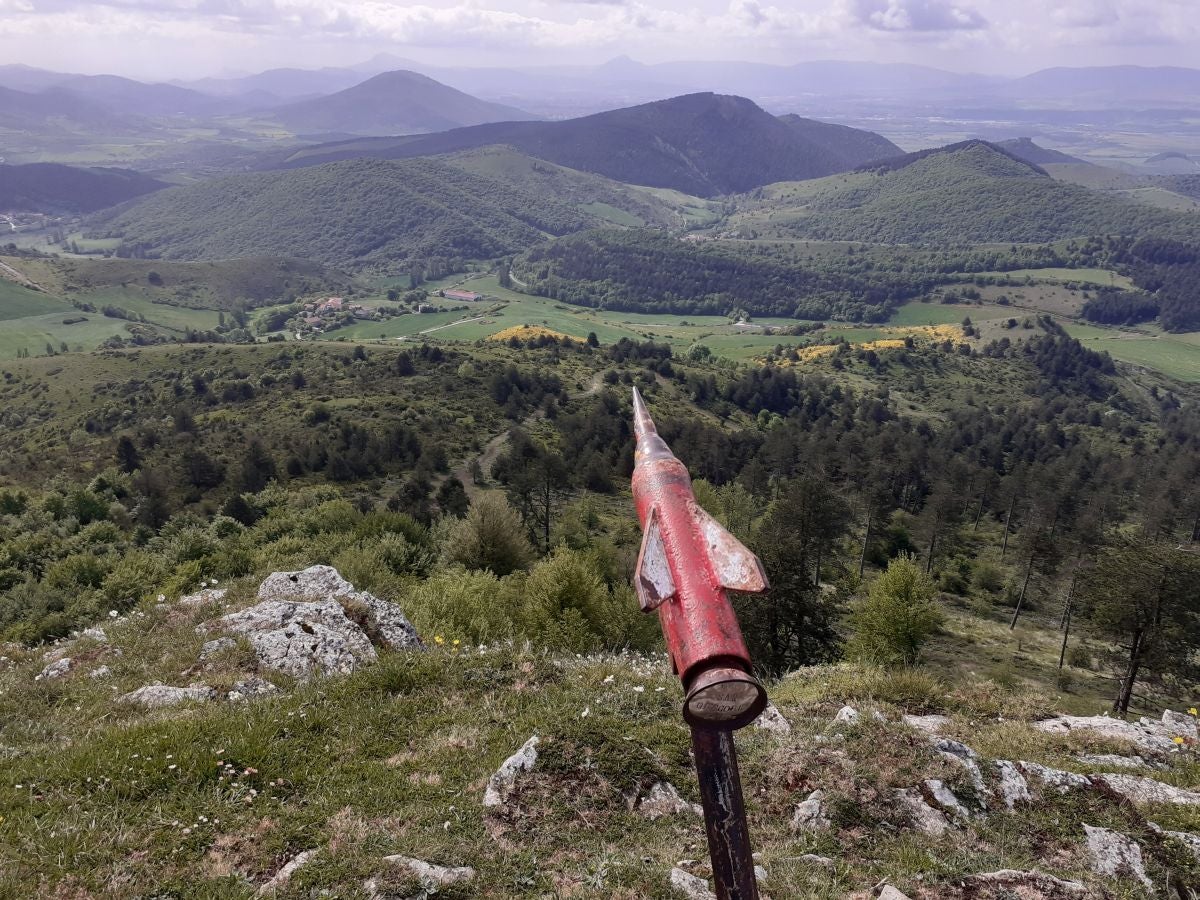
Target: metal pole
[724,814]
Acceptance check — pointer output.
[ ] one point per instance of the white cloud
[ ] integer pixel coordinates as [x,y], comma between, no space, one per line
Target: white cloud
[918,15]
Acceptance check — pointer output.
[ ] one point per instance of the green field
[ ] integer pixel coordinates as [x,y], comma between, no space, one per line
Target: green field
[17,302]
[1175,355]
[1102,277]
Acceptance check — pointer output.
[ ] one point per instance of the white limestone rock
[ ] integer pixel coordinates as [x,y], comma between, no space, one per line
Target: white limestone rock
[1141,790]
[847,714]
[691,886]
[500,785]
[431,874]
[158,695]
[94,633]
[1055,778]
[663,800]
[300,639]
[250,688]
[1013,787]
[921,815]
[810,814]
[284,875]
[1180,724]
[1115,855]
[891,893]
[814,860]
[944,799]
[1143,733]
[1113,760]
[772,720]
[203,597]
[102,672]
[928,724]
[1013,880]
[964,756]
[56,669]
[215,646]
[1189,840]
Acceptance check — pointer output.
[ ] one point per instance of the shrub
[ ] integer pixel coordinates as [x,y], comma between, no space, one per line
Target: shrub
[898,616]
[490,537]
[473,606]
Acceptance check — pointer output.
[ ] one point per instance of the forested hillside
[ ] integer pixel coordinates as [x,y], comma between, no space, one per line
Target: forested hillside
[54,188]
[970,193]
[648,271]
[701,144]
[358,212]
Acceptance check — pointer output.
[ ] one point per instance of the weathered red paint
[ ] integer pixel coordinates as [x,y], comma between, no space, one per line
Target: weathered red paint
[698,621]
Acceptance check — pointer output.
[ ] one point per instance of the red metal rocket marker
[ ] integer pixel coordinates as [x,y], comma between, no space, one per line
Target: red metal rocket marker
[687,563]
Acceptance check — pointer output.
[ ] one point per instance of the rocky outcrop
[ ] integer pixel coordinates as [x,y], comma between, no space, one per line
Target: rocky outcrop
[56,669]
[157,695]
[284,875]
[250,688]
[1141,790]
[501,784]
[1144,733]
[215,646]
[1013,787]
[663,800]
[847,714]
[964,756]
[431,874]
[810,815]
[920,814]
[890,893]
[315,622]
[385,621]
[943,798]
[772,720]
[1055,778]
[691,886]
[203,597]
[928,724]
[1115,855]
[1014,880]
[300,638]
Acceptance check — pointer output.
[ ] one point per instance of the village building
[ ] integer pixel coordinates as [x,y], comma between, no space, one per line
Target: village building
[455,294]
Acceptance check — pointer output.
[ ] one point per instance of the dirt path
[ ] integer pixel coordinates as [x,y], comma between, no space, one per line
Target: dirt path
[405,337]
[19,277]
[492,449]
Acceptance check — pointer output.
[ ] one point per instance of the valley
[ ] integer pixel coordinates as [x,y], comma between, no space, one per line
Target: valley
[318,391]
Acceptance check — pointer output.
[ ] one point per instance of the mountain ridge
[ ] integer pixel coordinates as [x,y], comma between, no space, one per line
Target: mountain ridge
[703,144]
[398,102]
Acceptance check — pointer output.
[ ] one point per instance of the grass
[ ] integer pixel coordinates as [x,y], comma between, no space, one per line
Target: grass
[1101,277]
[211,800]
[1175,355]
[17,302]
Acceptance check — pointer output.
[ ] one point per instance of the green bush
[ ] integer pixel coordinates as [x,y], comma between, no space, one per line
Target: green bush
[490,537]
[898,616]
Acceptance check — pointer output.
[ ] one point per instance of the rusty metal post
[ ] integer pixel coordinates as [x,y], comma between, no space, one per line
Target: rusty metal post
[687,564]
[724,814]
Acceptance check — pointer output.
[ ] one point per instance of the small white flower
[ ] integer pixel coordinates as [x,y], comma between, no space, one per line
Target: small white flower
[609,679]
[638,689]
[112,613]
[584,714]
[162,598]
[171,766]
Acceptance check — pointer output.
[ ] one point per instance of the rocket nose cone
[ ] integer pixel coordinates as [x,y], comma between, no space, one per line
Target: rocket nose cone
[642,423]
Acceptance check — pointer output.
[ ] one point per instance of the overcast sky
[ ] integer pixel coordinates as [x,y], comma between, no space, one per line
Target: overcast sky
[181,38]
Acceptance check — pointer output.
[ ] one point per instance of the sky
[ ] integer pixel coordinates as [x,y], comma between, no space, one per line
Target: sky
[164,39]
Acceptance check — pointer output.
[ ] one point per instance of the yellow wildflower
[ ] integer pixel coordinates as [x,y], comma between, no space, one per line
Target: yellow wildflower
[439,640]
[1177,740]
[456,642]
[1192,711]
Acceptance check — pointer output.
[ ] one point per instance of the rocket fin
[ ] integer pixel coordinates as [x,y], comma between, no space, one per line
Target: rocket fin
[736,568]
[654,583]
